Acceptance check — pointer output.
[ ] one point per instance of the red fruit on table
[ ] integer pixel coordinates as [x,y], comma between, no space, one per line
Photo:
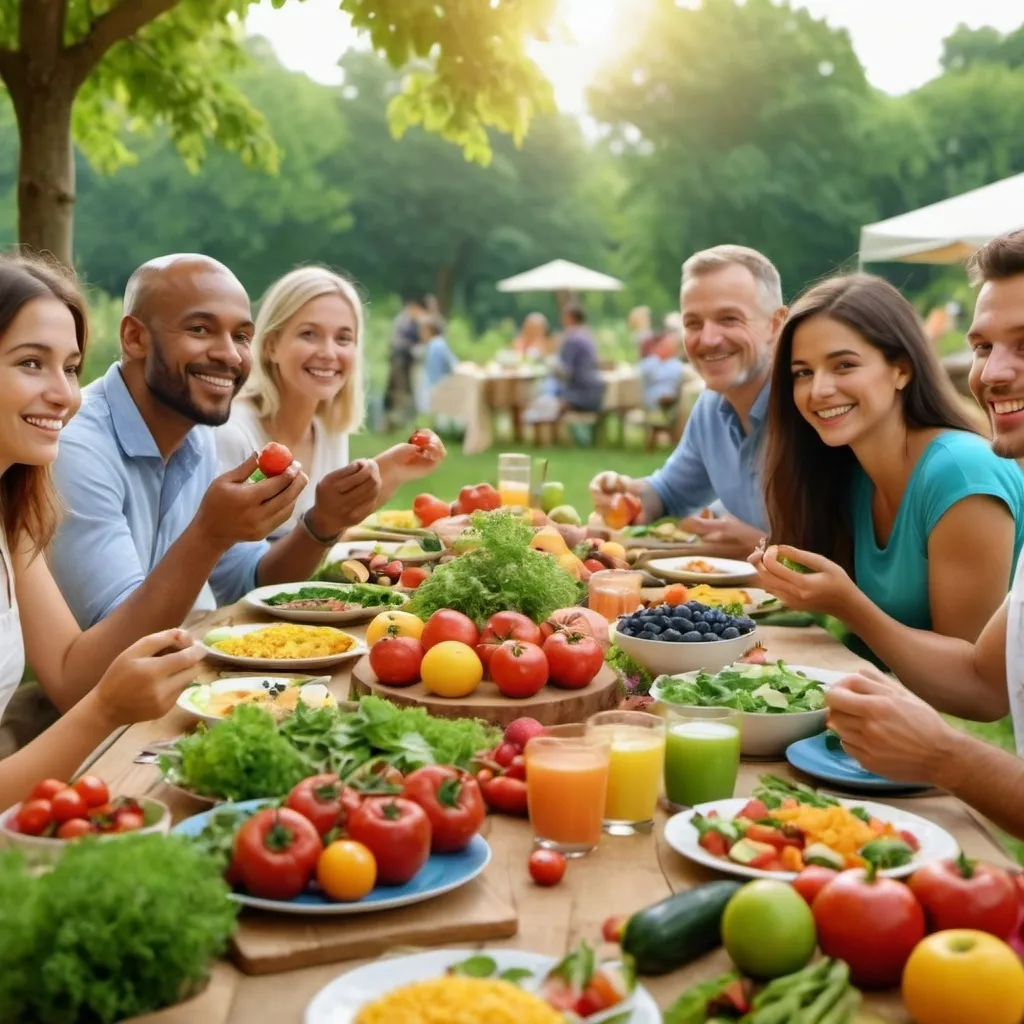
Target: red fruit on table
[68,804]
[275,853]
[92,789]
[128,819]
[812,880]
[47,789]
[510,626]
[522,730]
[396,660]
[429,509]
[412,577]
[574,659]
[870,922]
[964,894]
[32,818]
[446,624]
[76,827]
[325,800]
[397,832]
[517,769]
[505,753]
[274,459]
[519,669]
[502,794]
[481,498]
[452,802]
[547,867]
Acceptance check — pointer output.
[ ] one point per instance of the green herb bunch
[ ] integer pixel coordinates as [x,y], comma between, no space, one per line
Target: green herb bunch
[117,929]
[503,574]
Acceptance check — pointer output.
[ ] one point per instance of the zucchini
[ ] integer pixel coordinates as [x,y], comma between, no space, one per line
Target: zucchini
[678,929]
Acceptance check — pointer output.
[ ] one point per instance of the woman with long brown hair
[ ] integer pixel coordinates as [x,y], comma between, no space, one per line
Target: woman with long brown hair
[875,480]
[43,337]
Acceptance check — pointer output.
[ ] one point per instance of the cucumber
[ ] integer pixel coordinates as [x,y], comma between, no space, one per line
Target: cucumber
[679,929]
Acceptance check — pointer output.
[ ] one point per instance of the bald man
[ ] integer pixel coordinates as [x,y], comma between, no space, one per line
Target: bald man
[151,530]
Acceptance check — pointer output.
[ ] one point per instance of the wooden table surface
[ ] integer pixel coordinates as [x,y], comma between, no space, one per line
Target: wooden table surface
[620,876]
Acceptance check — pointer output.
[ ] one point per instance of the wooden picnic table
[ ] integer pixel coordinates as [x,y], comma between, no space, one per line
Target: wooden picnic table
[620,876]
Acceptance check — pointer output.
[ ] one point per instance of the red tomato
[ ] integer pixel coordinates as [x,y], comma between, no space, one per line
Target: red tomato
[600,994]
[502,794]
[74,828]
[412,577]
[275,853]
[324,800]
[963,894]
[812,880]
[446,624]
[511,626]
[92,789]
[397,833]
[396,660]
[33,816]
[424,438]
[546,866]
[429,509]
[452,802]
[103,817]
[517,769]
[519,669]
[68,804]
[574,659]
[612,929]
[482,498]
[128,819]
[47,789]
[274,459]
[505,753]
[871,923]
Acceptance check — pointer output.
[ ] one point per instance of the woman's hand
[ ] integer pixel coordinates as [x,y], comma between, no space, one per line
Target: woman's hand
[143,683]
[826,589]
[406,462]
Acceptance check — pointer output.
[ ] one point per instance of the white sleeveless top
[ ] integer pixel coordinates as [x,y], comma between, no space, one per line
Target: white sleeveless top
[12,645]
[1015,653]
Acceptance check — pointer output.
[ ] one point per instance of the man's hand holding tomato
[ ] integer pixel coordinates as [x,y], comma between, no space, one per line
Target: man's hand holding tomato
[345,497]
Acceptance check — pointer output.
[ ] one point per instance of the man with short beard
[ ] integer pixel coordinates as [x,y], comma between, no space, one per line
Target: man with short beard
[150,527]
[731,304]
[890,729]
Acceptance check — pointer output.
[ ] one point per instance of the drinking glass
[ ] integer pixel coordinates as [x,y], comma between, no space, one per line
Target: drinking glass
[702,755]
[566,786]
[636,764]
[514,475]
[615,592]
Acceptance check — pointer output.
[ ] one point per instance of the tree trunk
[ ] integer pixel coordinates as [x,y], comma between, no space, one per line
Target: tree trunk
[46,172]
[444,286]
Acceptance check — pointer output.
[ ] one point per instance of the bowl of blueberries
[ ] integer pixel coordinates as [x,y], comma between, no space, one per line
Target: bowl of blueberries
[671,639]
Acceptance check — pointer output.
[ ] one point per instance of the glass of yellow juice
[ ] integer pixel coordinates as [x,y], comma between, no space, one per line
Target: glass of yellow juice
[514,475]
[636,743]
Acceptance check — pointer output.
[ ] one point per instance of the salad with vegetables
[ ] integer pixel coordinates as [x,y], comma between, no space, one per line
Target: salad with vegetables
[787,826]
[762,689]
[335,598]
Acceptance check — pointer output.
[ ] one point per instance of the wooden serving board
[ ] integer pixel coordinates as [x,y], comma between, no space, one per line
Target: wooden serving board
[551,706]
[211,1006]
[268,943]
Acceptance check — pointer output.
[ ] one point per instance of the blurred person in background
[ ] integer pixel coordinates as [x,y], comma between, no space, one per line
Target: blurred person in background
[533,341]
[639,323]
[399,403]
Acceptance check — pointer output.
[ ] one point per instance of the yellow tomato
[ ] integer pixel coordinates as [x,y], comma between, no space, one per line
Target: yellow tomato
[394,623]
[962,976]
[346,871]
[451,669]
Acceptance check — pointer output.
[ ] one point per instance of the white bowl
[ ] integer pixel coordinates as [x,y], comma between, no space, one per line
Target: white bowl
[764,734]
[41,850]
[662,657]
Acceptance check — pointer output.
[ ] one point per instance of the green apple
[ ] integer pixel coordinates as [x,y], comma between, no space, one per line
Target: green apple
[768,929]
[552,494]
[565,515]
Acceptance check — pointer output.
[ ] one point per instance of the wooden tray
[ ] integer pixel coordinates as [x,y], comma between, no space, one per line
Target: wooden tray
[211,1006]
[267,943]
[551,706]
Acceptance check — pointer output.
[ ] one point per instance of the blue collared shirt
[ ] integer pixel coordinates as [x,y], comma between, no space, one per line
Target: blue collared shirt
[716,459]
[125,506]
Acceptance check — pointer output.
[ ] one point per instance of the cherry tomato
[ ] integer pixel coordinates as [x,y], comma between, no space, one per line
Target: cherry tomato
[92,789]
[574,659]
[508,796]
[424,438]
[276,852]
[103,817]
[452,802]
[324,800]
[547,866]
[428,509]
[274,459]
[68,804]
[412,577]
[397,832]
[446,624]
[511,626]
[519,669]
[964,894]
[517,769]
[612,929]
[505,753]
[33,816]
[396,660]
[47,789]
[75,827]
[346,871]
[872,923]
[128,820]
[482,498]
[812,880]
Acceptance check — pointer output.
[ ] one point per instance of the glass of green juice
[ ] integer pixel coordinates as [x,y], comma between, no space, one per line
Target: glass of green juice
[702,755]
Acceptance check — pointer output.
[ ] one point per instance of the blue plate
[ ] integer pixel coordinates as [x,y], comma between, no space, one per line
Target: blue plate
[442,873]
[813,757]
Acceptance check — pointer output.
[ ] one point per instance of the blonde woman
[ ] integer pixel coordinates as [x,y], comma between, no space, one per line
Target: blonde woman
[306,387]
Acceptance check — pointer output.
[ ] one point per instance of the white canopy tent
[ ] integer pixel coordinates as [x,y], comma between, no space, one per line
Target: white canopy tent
[947,231]
[560,276]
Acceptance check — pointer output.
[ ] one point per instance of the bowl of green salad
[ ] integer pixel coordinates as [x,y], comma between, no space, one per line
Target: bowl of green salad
[779,703]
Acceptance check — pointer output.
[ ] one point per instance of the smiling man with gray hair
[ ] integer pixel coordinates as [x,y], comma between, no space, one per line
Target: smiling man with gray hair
[731,306]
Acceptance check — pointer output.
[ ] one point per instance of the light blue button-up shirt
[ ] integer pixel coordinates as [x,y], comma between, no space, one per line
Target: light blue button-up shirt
[716,459]
[125,506]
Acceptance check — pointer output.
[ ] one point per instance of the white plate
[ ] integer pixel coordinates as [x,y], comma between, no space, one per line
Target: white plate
[340,1000]
[193,700]
[288,664]
[730,571]
[760,603]
[936,843]
[365,548]
[257,599]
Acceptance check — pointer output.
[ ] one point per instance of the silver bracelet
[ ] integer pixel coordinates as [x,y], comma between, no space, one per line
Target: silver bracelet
[325,541]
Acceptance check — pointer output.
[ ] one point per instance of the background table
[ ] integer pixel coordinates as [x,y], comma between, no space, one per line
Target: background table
[621,876]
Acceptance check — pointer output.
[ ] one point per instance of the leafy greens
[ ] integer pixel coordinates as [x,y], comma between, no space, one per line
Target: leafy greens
[764,689]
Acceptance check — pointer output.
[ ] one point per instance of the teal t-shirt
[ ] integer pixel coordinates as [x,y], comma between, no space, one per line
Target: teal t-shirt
[954,466]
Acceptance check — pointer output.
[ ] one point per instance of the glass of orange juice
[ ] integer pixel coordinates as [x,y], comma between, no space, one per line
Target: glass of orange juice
[615,592]
[514,475]
[636,742]
[566,788]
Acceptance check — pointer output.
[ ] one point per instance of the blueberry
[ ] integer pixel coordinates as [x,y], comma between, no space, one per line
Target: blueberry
[646,635]
[678,623]
[662,620]
[694,606]
[730,633]
[685,625]
[627,630]
[701,627]
[671,635]
[652,627]
[741,621]
[708,637]
[692,637]
[665,609]
[698,616]
[717,627]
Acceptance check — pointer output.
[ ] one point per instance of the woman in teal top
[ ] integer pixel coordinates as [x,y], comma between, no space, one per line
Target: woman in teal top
[875,481]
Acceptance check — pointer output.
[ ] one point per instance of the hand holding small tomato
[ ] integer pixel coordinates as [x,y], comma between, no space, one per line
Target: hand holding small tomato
[276,852]
[397,832]
[826,589]
[452,801]
[403,463]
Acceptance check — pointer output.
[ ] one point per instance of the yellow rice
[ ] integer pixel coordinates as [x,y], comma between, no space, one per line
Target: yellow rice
[287,642]
[459,1000]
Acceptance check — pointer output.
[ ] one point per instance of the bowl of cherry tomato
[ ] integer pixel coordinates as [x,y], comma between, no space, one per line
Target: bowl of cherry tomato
[56,813]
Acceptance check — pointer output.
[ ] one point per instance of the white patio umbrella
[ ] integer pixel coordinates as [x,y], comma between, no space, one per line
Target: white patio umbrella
[560,276]
[947,231]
